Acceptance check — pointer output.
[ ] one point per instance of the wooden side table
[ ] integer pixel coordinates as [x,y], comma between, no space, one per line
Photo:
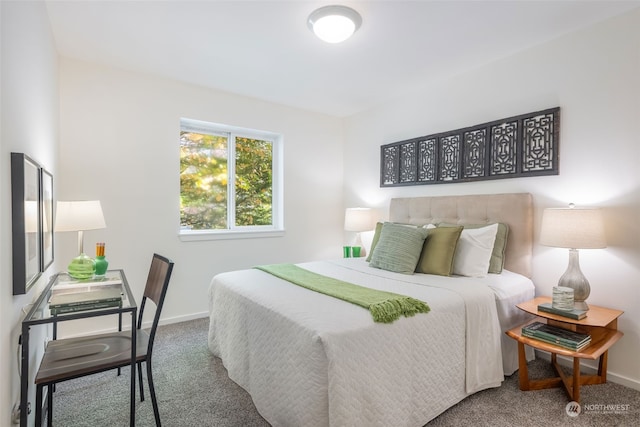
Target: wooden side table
[601,323]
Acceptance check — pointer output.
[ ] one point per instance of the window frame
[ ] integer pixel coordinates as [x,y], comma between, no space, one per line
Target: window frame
[233,231]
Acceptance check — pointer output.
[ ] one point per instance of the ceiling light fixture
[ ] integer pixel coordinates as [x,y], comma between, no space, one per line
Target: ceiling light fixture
[334,24]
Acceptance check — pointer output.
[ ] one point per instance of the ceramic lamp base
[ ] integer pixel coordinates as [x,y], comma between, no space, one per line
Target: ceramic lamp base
[82,267]
[574,279]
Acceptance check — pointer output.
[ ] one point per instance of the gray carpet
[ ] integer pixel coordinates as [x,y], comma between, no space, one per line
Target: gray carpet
[194,390]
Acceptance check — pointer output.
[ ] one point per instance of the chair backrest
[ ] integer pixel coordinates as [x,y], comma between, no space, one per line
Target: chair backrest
[155,290]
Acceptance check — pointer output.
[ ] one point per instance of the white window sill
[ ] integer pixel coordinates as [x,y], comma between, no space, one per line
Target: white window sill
[196,236]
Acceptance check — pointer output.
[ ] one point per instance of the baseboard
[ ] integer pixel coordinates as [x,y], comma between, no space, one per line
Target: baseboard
[591,370]
[179,319]
[145,325]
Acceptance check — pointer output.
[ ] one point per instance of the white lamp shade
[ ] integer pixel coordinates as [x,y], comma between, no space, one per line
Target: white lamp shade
[79,216]
[334,24]
[573,228]
[358,219]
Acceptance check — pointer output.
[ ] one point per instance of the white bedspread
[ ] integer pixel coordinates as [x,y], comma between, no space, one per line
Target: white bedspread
[308,359]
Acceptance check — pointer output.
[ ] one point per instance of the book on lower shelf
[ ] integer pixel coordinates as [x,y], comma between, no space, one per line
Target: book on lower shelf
[555,335]
[547,307]
[85,307]
[108,294]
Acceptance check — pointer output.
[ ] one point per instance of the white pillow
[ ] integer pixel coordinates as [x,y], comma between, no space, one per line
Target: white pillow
[366,238]
[473,253]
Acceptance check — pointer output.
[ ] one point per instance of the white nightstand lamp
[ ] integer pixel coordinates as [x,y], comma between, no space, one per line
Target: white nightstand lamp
[573,228]
[358,220]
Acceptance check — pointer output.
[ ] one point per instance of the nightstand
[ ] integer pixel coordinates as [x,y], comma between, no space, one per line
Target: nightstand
[601,323]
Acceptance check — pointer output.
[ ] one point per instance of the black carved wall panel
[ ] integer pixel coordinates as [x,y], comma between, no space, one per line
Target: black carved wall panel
[475,143]
[408,163]
[449,158]
[427,160]
[390,165]
[538,143]
[504,138]
[525,145]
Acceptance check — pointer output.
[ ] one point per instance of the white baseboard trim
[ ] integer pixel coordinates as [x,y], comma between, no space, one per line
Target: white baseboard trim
[179,319]
[591,370]
[145,325]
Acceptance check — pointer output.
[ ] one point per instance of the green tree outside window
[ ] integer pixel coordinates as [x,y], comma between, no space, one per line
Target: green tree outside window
[210,194]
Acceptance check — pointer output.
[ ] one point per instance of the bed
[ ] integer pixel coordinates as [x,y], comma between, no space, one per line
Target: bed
[309,359]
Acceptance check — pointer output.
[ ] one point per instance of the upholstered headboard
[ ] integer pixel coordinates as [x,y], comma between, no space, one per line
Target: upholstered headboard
[513,209]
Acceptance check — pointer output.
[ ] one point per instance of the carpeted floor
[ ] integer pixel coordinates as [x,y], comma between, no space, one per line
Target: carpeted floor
[194,390]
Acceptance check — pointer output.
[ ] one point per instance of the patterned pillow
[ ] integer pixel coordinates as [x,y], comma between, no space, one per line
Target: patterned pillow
[398,248]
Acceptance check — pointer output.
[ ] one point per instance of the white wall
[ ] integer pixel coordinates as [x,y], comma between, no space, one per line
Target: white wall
[120,144]
[29,124]
[594,76]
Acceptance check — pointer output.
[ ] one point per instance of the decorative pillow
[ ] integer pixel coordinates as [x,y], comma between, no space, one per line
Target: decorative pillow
[376,235]
[438,251]
[398,248]
[499,247]
[473,253]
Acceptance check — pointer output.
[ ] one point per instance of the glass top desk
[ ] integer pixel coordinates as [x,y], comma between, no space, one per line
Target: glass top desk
[41,313]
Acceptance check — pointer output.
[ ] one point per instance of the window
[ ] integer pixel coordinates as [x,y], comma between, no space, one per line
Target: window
[230,181]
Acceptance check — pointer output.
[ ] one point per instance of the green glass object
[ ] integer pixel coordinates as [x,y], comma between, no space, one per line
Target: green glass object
[346,251]
[82,267]
[355,251]
[101,265]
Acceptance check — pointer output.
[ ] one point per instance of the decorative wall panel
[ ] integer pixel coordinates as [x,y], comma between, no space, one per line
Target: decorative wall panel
[408,163]
[525,145]
[427,160]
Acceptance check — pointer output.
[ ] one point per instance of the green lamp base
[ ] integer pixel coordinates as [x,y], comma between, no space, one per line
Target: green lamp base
[82,267]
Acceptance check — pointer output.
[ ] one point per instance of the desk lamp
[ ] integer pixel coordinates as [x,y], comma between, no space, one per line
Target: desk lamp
[80,216]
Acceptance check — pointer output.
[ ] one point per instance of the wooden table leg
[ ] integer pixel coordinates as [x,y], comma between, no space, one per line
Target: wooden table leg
[602,367]
[523,372]
[575,392]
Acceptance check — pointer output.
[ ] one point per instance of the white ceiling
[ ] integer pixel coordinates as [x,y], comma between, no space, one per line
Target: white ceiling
[263,49]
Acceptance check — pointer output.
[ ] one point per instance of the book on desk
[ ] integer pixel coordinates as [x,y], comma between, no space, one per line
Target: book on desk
[67,282]
[91,299]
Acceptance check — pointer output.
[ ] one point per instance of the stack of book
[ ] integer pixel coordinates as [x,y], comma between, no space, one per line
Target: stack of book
[69,302]
[554,335]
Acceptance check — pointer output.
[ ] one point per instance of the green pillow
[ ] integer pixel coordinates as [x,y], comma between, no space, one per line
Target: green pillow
[499,247]
[438,251]
[376,236]
[374,242]
[398,248]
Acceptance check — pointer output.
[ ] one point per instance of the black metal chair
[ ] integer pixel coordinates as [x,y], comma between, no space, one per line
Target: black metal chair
[112,350]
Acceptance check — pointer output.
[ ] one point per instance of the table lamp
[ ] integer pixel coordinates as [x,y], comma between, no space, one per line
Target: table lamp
[358,220]
[573,228]
[80,216]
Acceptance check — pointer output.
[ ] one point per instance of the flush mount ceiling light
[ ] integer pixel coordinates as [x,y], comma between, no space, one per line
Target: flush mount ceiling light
[334,24]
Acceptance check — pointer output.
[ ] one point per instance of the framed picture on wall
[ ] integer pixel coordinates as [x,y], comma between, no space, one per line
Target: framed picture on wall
[46,213]
[26,222]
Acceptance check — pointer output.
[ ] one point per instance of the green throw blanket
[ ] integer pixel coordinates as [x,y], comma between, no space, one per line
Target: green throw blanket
[385,307]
